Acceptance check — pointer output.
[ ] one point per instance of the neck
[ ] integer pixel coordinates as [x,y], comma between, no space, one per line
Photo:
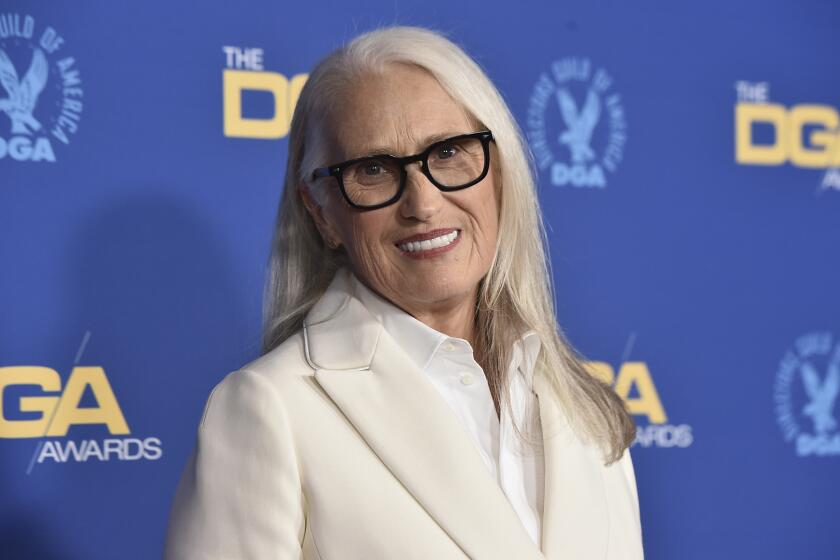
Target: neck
[454,316]
[455,319]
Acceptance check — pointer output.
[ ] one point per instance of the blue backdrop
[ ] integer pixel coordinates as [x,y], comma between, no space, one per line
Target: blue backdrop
[688,158]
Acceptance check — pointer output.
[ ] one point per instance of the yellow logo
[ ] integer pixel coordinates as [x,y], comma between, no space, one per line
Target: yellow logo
[791,126]
[657,432]
[630,375]
[59,412]
[284,91]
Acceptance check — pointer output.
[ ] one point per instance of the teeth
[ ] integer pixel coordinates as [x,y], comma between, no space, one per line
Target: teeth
[428,244]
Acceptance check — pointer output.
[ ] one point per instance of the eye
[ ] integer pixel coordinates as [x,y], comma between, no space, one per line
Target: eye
[447,151]
[372,168]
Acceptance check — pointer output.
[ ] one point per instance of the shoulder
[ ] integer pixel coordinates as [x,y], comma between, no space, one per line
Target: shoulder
[244,467]
[274,376]
[286,360]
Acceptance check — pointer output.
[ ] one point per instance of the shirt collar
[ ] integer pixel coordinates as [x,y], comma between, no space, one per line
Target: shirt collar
[421,341]
[416,338]
[525,353]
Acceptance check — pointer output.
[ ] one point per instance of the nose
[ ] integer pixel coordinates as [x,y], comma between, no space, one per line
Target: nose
[421,199]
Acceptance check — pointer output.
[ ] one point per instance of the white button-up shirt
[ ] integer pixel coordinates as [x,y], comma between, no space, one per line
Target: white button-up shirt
[451,368]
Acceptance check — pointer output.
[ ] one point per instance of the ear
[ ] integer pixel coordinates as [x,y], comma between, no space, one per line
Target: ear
[328,233]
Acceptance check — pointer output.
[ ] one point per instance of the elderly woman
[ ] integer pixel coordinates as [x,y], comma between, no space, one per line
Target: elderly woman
[416,399]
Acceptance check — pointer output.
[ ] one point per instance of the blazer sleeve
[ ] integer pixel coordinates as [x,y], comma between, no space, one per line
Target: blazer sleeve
[240,495]
[630,475]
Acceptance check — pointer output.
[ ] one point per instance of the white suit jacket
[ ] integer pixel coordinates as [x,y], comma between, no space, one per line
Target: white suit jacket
[335,446]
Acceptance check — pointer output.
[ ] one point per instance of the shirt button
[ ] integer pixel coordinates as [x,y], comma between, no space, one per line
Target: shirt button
[449,346]
[466,379]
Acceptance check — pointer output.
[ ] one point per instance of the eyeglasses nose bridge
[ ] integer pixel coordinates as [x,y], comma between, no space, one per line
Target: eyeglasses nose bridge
[406,161]
[420,160]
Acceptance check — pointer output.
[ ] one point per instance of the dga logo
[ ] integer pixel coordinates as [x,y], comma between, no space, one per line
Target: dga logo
[804,135]
[51,412]
[576,124]
[244,74]
[634,379]
[42,87]
[805,394]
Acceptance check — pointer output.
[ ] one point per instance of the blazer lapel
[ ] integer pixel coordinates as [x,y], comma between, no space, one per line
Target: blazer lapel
[575,517]
[411,428]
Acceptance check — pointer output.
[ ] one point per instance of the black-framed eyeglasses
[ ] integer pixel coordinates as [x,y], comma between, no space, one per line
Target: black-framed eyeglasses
[375,181]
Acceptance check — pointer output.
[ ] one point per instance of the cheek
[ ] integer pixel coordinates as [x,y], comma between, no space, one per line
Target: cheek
[364,239]
[491,233]
[369,228]
[350,226]
[488,215]
[370,253]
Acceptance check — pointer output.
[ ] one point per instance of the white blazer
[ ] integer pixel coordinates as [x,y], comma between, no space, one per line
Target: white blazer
[335,446]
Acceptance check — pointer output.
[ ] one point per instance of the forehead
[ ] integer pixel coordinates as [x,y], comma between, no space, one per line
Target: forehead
[399,111]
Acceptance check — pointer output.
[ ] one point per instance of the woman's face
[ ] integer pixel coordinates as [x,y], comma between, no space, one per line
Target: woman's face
[401,113]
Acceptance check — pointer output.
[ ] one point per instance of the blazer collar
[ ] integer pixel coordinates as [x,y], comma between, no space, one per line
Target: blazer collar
[419,438]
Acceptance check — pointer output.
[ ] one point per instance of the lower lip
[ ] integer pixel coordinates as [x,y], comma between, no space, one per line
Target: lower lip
[431,253]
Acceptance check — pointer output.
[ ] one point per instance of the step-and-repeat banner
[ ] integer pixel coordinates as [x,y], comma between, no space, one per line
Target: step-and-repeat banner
[689,168]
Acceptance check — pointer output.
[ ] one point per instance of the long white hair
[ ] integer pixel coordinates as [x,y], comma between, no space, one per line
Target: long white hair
[515,296]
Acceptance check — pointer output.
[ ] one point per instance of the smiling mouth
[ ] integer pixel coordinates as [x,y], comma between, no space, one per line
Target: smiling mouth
[429,242]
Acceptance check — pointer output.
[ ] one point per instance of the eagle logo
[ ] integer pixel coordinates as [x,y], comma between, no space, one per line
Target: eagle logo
[23,93]
[579,124]
[822,395]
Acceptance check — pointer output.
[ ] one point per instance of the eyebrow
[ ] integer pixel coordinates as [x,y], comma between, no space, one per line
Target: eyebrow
[376,150]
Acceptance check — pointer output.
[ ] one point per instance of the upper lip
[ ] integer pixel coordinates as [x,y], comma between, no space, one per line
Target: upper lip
[426,235]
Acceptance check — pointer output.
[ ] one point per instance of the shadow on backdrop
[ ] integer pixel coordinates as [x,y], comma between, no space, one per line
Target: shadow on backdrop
[152,282]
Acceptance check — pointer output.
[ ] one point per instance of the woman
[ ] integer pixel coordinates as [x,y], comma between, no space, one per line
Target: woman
[409,337]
